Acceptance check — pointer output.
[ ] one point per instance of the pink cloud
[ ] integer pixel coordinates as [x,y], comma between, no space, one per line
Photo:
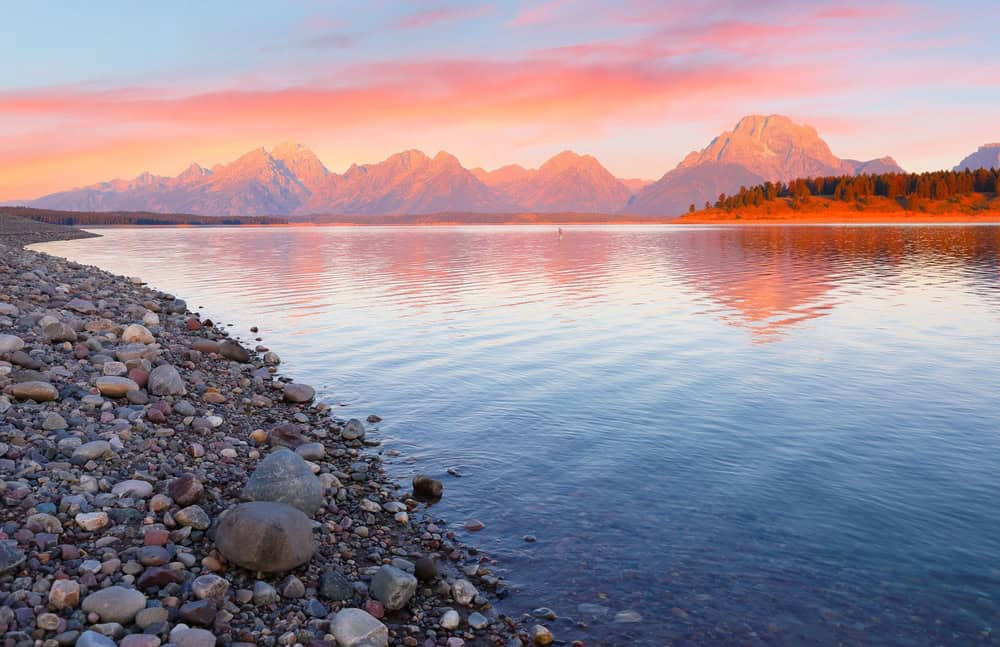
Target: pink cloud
[431,17]
[538,15]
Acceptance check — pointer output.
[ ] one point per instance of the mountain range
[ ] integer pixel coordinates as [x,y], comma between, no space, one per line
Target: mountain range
[291,180]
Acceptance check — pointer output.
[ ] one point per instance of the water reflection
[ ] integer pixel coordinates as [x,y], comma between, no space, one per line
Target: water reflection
[748,435]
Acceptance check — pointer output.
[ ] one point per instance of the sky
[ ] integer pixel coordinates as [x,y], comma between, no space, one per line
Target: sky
[95,91]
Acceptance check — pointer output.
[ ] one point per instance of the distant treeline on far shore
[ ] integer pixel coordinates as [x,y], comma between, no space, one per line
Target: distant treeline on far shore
[911,191]
[91,218]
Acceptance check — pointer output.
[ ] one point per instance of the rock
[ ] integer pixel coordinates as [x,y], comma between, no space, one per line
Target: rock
[425,569]
[165,380]
[286,434]
[210,587]
[477,620]
[311,451]
[151,616]
[133,488]
[10,343]
[33,390]
[450,620]
[11,557]
[265,536]
[83,306]
[115,387]
[115,604]
[64,594]
[114,369]
[353,430]
[186,489]
[541,636]
[474,525]
[233,351]
[393,587]
[298,393]
[201,612]
[90,451]
[464,592]
[137,334]
[292,587]
[139,640]
[57,332]
[54,422]
[91,520]
[336,587]
[628,616]
[271,358]
[356,628]
[264,594]
[94,639]
[194,517]
[184,636]
[157,577]
[427,487]
[284,477]
[8,310]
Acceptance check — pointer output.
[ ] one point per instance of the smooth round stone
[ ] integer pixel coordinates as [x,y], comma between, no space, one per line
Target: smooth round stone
[137,334]
[165,380]
[209,587]
[91,520]
[115,604]
[115,387]
[353,430]
[628,616]
[10,343]
[464,592]
[94,639]
[153,556]
[114,369]
[450,620]
[35,390]
[233,351]
[64,594]
[285,477]
[265,536]
[541,635]
[478,621]
[425,486]
[184,636]
[57,332]
[298,393]
[91,451]
[54,422]
[133,488]
[194,517]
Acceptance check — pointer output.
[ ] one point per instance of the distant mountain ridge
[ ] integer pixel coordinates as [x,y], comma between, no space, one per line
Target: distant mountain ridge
[758,149]
[291,180]
[987,157]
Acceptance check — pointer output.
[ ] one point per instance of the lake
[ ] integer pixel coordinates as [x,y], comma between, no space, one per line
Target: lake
[716,435]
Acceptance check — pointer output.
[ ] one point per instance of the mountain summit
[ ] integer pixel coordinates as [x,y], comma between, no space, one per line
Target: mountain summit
[758,149]
[988,157]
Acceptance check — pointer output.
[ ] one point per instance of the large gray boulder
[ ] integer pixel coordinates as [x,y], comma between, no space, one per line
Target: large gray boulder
[265,536]
[284,476]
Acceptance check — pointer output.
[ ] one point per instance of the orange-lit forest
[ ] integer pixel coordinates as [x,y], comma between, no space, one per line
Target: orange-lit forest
[912,191]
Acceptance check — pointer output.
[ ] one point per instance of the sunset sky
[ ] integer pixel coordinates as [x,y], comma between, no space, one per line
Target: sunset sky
[93,91]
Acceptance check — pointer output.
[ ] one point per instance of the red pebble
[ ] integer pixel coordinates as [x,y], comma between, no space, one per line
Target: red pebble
[156,537]
[375,608]
[193,324]
[139,376]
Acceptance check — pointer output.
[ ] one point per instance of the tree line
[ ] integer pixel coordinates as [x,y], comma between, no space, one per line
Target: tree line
[905,187]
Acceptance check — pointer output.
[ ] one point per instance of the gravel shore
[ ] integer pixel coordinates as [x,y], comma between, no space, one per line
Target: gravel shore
[164,484]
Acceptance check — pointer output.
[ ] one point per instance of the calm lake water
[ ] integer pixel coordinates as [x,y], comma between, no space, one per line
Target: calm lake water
[747,435]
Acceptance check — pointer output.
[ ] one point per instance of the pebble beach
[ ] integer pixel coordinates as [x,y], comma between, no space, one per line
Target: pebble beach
[166,484]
